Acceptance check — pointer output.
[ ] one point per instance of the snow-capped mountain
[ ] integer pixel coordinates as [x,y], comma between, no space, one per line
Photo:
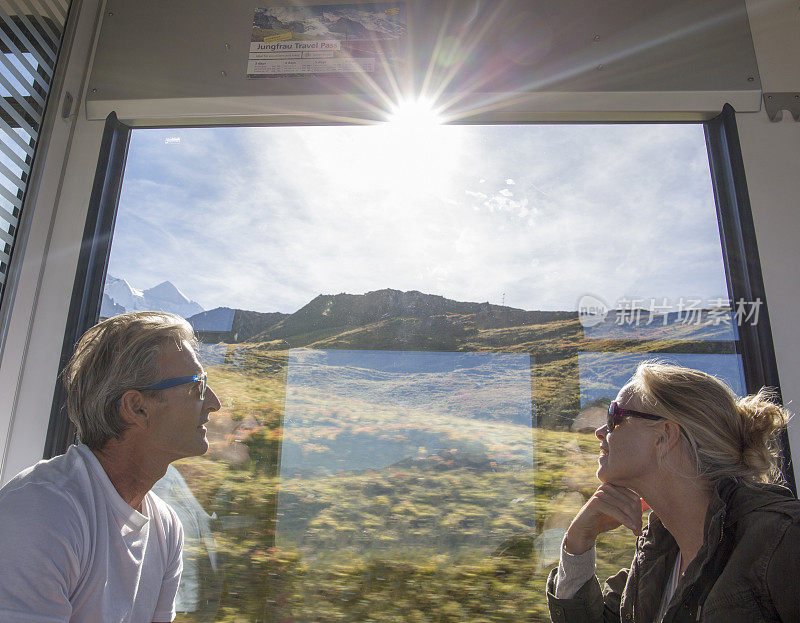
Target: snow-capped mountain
[109,308]
[119,296]
[120,292]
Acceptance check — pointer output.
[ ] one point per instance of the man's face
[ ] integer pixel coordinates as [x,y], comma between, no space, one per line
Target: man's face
[176,424]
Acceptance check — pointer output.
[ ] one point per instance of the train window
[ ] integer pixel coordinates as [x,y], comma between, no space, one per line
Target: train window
[414,334]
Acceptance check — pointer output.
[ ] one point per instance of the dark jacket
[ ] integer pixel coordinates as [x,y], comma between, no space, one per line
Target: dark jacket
[747,570]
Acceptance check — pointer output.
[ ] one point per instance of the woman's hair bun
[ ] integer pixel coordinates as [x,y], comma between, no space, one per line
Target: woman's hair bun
[762,420]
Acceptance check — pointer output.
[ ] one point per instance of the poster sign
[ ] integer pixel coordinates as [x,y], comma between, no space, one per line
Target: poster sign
[325,39]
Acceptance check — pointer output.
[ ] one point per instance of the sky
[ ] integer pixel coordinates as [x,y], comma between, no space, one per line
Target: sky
[533,216]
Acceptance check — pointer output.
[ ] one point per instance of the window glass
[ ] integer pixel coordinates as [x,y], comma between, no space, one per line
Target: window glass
[414,331]
[16,146]
[15,72]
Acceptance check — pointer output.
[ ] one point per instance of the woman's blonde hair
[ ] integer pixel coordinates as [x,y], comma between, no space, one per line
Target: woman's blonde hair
[727,435]
[118,354]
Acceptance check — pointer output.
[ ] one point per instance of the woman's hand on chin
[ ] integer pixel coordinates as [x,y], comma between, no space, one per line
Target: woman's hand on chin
[609,507]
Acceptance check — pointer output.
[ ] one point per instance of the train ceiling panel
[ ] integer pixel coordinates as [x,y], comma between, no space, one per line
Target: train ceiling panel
[187,62]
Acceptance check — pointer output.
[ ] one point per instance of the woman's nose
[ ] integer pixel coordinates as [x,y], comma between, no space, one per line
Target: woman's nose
[600,433]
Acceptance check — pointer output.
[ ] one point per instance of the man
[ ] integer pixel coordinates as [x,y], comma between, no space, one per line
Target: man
[82,537]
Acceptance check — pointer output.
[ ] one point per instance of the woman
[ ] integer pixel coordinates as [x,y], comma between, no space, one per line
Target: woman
[721,543]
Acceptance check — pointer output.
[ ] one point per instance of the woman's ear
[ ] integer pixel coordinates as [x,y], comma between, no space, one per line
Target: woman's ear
[670,434]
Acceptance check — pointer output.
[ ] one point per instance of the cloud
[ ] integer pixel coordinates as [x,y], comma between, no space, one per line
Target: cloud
[473,193]
[510,182]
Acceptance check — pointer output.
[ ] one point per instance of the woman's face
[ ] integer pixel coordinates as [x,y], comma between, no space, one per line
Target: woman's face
[629,451]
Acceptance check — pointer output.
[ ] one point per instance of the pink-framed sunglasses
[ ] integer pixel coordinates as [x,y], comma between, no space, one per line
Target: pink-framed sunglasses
[616,413]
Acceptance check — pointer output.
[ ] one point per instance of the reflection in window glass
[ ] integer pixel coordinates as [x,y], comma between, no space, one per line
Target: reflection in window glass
[603,374]
[413,336]
[427,453]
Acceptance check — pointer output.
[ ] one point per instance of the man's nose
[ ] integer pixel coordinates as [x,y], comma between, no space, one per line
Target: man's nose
[211,402]
[600,433]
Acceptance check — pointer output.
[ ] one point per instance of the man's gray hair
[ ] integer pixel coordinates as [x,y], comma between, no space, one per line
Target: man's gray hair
[116,355]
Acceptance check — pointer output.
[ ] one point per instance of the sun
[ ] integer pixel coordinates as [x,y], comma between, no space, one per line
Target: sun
[418,113]
[411,153]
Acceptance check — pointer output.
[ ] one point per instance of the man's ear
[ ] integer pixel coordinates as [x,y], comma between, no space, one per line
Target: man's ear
[133,408]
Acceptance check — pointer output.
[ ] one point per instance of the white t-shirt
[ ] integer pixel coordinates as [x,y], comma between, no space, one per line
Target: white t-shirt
[71,549]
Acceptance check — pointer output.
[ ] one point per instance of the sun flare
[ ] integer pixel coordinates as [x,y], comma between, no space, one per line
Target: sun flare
[415,113]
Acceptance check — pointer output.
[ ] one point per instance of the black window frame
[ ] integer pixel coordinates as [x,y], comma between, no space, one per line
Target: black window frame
[84,307]
[734,215]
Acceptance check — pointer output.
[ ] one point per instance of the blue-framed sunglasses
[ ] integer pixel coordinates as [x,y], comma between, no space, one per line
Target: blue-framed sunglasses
[616,413]
[178,380]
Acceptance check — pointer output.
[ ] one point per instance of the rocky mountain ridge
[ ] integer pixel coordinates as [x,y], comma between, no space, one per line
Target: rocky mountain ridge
[326,312]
